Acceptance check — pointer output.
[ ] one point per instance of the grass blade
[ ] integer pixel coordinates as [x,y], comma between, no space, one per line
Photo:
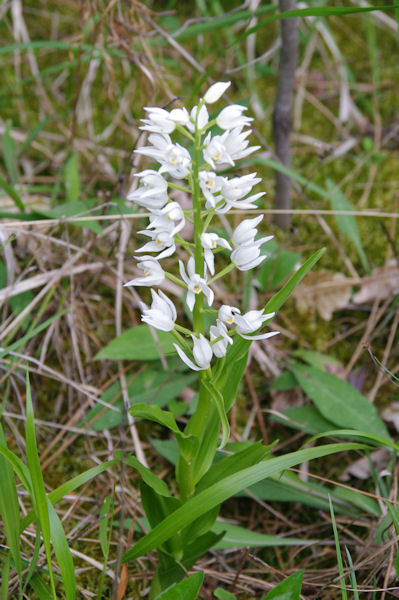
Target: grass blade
[339,555]
[38,491]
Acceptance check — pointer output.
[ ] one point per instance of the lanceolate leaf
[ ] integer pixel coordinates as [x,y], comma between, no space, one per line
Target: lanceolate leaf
[339,402]
[137,343]
[218,399]
[185,590]
[9,507]
[224,489]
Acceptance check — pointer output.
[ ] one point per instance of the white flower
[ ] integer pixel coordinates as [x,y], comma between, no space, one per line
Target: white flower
[232,116]
[216,331]
[227,313]
[195,284]
[215,152]
[162,241]
[153,272]
[209,242]
[180,116]
[210,184]
[162,314]
[201,121]
[236,143]
[232,190]
[153,192]
[247,257]
[246,231]
[158,120]
[251,322]
[216,91]
[202,352]
[174,158]
[165,219]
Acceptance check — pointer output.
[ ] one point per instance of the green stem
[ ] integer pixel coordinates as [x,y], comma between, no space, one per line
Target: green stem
[223,272]
[175,279]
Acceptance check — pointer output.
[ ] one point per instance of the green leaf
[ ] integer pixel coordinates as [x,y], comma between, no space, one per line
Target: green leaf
[238,461]
[5,575]
[276,268]
[137,343]
[347,223]
[9,506]
[239,537]
[289,589]
[103,525]
[158,485]
[71,178]
[12,193]
[187,443]
[72,208]
[304,418]
[222,594]
[62,553]
[285,381]
[218,399]
[340,402]
[316,359]
[39,497]
[224,489]
[185,590]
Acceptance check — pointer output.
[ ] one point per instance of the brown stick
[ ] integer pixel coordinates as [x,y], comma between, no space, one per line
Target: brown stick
[282,114]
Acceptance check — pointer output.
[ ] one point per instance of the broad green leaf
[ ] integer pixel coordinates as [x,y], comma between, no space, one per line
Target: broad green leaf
[185,590]
[158,485]
[9,506]
[347,223]
[285,381]
[200,546]
[157,508]
[103,525]
[239,537]
[137,343]
[62,553]
[304,418]
[72,208]
[224,489]
[340,402]
[289,589]
[316,359]
[71,178]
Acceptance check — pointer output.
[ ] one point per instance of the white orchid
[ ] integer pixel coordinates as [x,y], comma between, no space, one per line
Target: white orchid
[216,91]
[174,159]
[200,121]
[162,241]
[153,192]
[162,314]
[231,117]
[195,284]
[210,241]
[153,272]
[170,218]
[252,321]
[247,257]
[227,313]
[210,184]
[219,331]
[158,120]
[245,232]
[202,352]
